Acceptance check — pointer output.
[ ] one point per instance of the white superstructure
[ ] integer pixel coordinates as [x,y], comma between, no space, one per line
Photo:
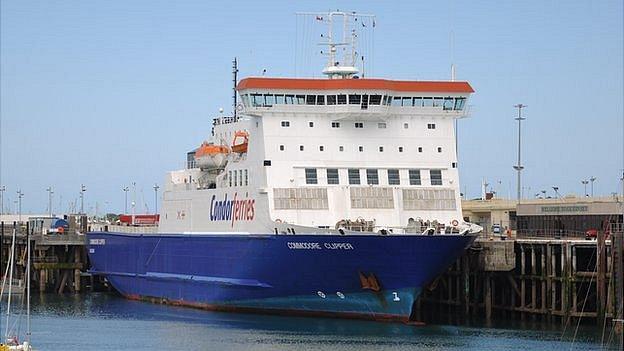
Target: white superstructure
[327,155]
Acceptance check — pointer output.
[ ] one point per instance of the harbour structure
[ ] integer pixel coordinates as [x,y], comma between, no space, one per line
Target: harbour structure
[336,196]
[555,280]
[567,217]
[58,252]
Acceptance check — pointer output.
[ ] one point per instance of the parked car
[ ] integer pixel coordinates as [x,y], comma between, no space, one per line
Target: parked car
[592,234]
[496,229]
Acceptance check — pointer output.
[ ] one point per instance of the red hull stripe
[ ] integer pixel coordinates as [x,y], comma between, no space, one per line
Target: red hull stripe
[355,84]
[380,317]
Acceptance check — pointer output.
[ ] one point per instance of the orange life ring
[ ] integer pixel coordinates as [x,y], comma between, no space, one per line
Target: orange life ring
[61,230]
[455,223]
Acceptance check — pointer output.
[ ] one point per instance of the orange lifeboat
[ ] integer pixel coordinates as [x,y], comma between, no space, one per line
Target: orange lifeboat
[210,156]
[240,142]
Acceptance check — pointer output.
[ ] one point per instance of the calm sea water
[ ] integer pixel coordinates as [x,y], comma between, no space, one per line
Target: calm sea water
[108,322]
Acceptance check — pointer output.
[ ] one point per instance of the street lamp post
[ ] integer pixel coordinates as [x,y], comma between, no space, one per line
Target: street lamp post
[20,194]
[592,180]
[585,182]
[556,189]
[125,190]
[133,200]
[518,167]
[83,188]
[2,190]
[50,192]
[156,187]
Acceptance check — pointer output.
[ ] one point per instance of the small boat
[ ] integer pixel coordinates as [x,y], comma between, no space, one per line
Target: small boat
[240,142]
[211,156]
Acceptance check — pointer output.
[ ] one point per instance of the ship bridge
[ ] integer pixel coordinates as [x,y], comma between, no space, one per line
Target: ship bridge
[354,99]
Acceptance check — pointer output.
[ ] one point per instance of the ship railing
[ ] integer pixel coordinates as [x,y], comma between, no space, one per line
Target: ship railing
[132,229]
[224,120]
[550,233]
[372,112]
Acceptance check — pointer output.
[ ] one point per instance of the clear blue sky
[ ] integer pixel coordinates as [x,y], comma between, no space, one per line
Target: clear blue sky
[109,92]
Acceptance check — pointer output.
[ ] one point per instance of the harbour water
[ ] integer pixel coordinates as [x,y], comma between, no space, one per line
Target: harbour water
[105,321]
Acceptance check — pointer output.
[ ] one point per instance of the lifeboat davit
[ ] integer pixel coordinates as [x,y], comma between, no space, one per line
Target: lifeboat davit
[240,142]
[211,156]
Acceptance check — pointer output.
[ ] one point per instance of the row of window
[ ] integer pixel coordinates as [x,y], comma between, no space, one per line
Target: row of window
[364,100]
[360,148]
[372,176]
[238,177]
[357,125]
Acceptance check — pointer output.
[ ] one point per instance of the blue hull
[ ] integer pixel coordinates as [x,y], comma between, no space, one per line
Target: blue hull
[358,276]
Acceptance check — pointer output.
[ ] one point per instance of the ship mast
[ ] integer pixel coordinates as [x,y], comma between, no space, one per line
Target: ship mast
[234,82]
[346,67]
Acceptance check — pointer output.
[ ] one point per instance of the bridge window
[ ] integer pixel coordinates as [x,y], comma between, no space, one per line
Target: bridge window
[396,101]
[269,100]
[311,100]
[459,103]
[437,102]
[355,99]
[310,174]
[393,177]
[257,100]
[342,99]
[332,176]
[375,100]
[279,99]
[414,176]
[290,99]
[406,101]
[418,102]
[331,99]
[320,100]
[427,102]
[354,176]
[448,103]
[245,100]
[300,99]
[372,176]
[388,100]
[436,176]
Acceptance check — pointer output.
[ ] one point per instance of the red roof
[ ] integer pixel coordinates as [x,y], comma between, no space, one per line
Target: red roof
[355,84]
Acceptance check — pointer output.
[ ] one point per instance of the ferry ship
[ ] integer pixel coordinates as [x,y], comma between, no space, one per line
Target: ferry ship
[331,197]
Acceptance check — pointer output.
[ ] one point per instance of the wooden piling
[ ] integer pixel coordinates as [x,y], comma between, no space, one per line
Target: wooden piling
[601,263]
